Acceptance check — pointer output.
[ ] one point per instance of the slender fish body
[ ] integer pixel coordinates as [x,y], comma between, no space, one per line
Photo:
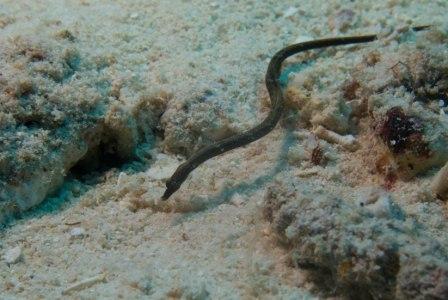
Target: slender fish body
[276,96]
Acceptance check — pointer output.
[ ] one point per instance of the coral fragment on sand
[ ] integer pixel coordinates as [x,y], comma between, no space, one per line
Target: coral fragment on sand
[403,133]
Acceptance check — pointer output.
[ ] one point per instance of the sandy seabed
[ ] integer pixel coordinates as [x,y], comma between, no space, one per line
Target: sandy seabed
[100,101]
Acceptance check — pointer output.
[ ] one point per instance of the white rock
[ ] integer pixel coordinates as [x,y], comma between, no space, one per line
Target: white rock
[77,232]
[13,255]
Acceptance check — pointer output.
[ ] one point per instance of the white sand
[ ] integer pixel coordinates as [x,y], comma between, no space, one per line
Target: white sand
[210,240]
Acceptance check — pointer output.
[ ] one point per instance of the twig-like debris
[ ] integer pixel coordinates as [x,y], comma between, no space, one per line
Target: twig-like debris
[86,283]
[346,141]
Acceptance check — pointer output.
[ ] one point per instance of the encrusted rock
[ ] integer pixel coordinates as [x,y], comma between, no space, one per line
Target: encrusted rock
[368,249]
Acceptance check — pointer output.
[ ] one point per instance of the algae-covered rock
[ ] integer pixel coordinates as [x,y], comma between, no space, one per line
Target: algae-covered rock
[367,249]
[57,110]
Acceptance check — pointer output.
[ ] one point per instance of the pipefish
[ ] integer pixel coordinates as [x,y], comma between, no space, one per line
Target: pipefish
[275,94]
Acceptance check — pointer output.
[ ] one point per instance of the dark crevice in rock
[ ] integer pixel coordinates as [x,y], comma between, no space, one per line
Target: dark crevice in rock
[97,161]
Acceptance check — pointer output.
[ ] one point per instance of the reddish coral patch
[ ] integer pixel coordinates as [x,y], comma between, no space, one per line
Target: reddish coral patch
[403,133]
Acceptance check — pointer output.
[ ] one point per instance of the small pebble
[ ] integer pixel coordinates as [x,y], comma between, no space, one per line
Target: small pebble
[77,232]
[237,200]
[266,231]
[14,255]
